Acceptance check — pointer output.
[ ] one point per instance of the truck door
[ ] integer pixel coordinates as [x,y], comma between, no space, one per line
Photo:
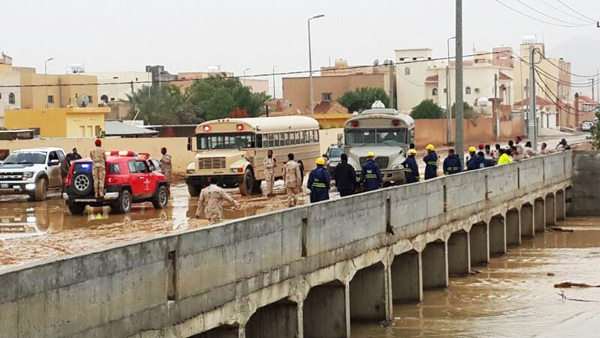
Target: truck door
[140,180]
[54,178]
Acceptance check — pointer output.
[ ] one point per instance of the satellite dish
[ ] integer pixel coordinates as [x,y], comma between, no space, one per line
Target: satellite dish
[376,62]
[83,101]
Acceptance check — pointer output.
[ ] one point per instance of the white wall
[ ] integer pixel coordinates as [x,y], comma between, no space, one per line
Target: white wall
[9,78]
[119,92]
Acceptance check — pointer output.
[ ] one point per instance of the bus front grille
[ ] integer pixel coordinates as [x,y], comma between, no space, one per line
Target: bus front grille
[211,163]
[382,162]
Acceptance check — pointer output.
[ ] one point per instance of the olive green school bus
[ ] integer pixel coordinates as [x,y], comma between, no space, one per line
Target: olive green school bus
[234,150]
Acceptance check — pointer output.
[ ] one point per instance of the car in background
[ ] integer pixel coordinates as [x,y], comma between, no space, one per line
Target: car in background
[130,178]
[587,125]
[333,157]
[32,172]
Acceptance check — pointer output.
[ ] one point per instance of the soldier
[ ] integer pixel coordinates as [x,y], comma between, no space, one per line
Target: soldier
[270,164]
[166,165]
[98,157]
[293,180]
[213,197]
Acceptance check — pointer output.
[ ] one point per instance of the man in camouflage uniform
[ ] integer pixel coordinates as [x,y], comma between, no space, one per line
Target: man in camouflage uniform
[293,180]
[270,164]
[166,165]
[98,157]
[211,202]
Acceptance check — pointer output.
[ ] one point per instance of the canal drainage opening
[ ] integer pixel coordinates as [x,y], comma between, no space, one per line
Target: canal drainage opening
[171,276]
[304,237]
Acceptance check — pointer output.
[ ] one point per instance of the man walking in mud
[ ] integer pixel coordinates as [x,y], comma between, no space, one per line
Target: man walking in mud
[211,202]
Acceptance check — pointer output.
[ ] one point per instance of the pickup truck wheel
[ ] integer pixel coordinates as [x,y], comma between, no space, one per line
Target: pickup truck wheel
[247,183]
[41,189]
[162,198]
[77,208]
[123,203]
[194,190]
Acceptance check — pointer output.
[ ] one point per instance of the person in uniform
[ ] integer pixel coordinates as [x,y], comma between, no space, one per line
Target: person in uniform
[98,157]
[270,164]
[319,182]
[166,165]
[371,174]
[431,162]
[75,155]
[211,202]
[293,180]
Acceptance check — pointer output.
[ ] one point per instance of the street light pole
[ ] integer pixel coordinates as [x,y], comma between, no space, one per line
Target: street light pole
[448,97]
[274,92]
[312,106]
[46,79]
[245,70]
[460,108]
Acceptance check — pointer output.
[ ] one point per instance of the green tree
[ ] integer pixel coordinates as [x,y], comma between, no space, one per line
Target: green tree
[164,104]
[470,113]
[595,139]
[362,98]
[427,109]
[217,96]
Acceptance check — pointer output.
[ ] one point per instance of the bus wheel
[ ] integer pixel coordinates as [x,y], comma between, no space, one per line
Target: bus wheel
[247,183]
[256,188]
[194,190]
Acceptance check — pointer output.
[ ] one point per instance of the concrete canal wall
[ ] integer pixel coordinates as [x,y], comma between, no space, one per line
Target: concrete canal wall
[304,272]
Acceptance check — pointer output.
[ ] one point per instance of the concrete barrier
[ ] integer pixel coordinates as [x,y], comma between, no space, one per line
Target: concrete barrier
[365,251]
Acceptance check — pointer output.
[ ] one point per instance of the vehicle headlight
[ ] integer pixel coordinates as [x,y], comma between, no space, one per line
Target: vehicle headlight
[27,175]
[190,171]
[237,170]
[397,167]
[333,164]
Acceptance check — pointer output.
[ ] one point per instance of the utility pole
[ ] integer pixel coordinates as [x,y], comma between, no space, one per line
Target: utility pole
[448,97]
[274,93]
[392,80]
[460,107]
[576,110]
[593,90]
[132,93]
[312,106]
[532,132]
[495,107]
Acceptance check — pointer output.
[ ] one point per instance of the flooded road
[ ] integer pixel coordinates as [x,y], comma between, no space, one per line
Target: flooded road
[515,295]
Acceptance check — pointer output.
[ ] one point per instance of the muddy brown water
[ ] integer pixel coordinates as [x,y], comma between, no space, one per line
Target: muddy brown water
[515,295]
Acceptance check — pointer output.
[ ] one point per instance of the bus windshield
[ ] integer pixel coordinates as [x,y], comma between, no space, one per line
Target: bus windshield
[226,141]
[387,137]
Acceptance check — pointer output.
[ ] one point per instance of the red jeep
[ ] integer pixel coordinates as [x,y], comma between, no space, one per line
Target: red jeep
[129,178]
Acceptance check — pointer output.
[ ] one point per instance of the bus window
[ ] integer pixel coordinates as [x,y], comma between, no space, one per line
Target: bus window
[259,143]
[284,139]
[317,136]
[275,140]
[226,141]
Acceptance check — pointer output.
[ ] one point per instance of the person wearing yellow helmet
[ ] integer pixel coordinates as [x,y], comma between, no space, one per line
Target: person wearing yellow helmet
[431,162]
[371,174]
[411,169]
[319,182]
[472,156]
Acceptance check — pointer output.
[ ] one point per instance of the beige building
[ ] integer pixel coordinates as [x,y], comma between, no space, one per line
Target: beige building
[334,82]
[127,83]
[10,91]
[486,76]
[554,81]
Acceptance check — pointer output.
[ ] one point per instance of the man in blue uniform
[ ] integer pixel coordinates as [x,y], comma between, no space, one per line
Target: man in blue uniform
[371,174]
[411,170]
[452,164]
[431,163]
[318,182]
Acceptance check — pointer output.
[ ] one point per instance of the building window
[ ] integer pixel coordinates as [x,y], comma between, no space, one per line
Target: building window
[445,90]
[477,90]
[434,91]
[407,71]
[468,90]
[104,98]
[326,97]
[50,99]
[11,98]
[91,99]
[98,131]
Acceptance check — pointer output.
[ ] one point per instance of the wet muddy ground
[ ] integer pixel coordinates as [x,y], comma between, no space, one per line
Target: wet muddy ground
[31,231]
[515,296]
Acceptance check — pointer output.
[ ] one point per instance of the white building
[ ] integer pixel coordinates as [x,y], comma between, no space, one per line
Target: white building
[10,92]
[421,78]
[128,82]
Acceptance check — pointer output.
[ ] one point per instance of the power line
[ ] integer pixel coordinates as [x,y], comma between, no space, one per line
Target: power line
[561,10]
[549,16]
[571,83]
[578,13]
[536,19]
[234,77]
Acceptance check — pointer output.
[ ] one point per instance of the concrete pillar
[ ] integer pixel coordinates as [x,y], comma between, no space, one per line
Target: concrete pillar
[274,321]
[497,236]
[368,294]
[560,206]
[324,311]
[527,223]
[407,281]
[220,332]
[569,206]
[480,244]
[550,210]
[435,265]
[459,258]
[539,216]
[513,227]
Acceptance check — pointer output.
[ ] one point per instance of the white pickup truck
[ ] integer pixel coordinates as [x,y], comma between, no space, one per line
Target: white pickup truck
[32,172]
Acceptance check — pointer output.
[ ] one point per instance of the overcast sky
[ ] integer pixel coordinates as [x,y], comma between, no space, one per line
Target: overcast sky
[192,35]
